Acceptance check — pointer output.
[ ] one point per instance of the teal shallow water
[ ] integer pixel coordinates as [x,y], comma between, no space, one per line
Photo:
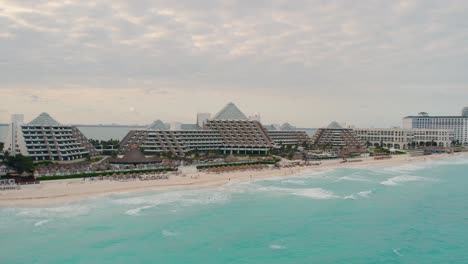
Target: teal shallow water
[415,213]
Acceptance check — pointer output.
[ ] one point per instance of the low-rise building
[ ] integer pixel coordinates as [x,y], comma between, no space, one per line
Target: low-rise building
[404,138]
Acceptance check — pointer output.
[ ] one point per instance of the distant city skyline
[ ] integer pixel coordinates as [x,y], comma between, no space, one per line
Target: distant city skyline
[366,64]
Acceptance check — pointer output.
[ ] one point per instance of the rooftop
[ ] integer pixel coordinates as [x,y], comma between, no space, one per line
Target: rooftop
[334,125]
[44,119]
[230,112]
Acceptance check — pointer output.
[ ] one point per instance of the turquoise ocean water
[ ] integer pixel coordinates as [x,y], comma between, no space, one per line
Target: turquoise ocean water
[413,213]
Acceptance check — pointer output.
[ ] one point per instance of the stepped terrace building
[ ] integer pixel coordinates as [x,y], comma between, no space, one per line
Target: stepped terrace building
[229,132]
[46,139]
[405,138]
[459,124]
[336,137]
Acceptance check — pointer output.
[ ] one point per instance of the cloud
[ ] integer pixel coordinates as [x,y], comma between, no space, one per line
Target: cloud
[302,48]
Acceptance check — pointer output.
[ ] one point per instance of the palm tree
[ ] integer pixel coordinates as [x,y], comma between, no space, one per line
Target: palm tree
[368,144]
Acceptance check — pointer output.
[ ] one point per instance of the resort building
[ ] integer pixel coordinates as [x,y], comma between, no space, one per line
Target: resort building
[46,139]
[202,118]
[404,138]
[459,124]
[290,137]
[336,137]
[229,132]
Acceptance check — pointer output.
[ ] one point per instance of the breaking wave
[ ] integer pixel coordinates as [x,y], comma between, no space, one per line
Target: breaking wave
[67,211]
[348,178]
[314,193]
[137,211]
[363,194]
[168,233]
[180,198]
[402,179]
[277,247]
[297,182]
[42,222]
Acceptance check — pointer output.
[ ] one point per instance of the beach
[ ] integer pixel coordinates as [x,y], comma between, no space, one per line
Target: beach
[404,210]
[57,192]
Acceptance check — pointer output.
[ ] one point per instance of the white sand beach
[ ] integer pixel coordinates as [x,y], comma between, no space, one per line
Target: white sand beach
[50,193]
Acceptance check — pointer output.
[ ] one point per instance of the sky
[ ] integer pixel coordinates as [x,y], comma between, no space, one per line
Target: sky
[366,63]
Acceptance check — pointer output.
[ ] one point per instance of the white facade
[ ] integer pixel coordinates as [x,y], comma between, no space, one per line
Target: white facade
[202,118]
[459,124]
[404,138]
[175,126]
[45,139]
[255,117]
[15,136]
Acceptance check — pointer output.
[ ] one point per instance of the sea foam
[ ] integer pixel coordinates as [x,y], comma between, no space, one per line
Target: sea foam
[179,198]
[314,193]
[349,178]
[363,194]
[168,233]
[277,247]
[42,222]
[59,212]
[401,179]
[297,182]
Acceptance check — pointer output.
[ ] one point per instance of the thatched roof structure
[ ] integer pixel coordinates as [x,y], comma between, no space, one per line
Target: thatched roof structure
[135,156]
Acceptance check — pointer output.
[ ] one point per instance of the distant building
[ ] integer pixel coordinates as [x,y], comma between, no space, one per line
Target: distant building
[336,137]
[255,117]
[459,124]
[287,127]
[14,132]
[176,126]
[202,118]
[465,111]
[405,138]
[230,112]
[158,125]
[46,139]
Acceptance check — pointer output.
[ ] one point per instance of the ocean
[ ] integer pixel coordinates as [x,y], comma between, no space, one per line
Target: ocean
[412,213]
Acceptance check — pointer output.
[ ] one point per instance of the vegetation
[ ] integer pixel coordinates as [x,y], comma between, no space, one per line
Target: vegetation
[2,145]
[108,146]
[105,143]
[19,163]
[286,151]
[97,174]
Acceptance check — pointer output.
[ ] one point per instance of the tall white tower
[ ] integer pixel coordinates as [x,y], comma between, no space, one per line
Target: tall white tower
[202,118]
[14,133]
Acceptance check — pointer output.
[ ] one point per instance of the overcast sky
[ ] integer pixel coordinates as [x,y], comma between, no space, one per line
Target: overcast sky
[365,63]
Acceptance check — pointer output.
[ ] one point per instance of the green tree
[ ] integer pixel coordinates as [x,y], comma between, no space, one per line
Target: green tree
[19,163]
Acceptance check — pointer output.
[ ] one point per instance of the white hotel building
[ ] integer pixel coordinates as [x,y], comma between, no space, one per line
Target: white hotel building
[459,124]
[404,138]
[46,139]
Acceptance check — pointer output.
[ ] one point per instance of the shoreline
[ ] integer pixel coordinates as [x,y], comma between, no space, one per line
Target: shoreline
[59,192]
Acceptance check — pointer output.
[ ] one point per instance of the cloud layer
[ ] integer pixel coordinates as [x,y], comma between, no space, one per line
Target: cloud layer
[360,62]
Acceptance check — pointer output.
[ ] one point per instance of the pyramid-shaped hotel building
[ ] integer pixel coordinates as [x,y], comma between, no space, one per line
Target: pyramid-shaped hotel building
[229,131]
[46,139]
